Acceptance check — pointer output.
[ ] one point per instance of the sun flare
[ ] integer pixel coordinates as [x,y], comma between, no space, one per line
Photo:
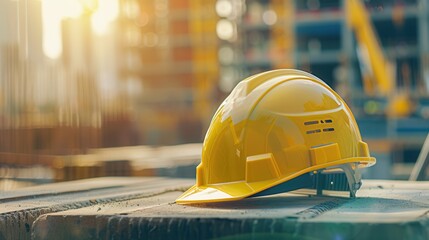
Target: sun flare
[103,12]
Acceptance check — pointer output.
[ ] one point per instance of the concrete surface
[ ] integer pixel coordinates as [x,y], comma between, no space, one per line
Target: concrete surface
[382,210]
[21,207]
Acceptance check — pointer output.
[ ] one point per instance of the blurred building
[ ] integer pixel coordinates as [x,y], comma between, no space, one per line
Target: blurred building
[170,67]
[146,75]
[152,72]
[21,56]
[261,38]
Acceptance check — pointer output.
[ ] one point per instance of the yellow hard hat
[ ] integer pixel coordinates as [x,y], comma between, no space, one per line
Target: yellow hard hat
[279,131]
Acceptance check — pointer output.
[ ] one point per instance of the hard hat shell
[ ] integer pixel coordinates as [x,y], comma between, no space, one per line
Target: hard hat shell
[272,128]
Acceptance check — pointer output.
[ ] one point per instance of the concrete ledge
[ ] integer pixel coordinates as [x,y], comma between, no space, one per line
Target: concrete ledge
[87,227]
[382,210]
[20,208]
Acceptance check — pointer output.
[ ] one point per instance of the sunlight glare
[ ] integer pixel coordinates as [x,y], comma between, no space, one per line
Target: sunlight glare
[72,8]
[107,12]
[55,11]
[51,20]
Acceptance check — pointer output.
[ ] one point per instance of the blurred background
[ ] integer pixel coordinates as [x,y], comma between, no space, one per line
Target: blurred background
[94,88]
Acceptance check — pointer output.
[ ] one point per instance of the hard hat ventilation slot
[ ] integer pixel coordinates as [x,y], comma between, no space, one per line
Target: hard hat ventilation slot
[328,129]
[317,122]
[313,131]
[311,122]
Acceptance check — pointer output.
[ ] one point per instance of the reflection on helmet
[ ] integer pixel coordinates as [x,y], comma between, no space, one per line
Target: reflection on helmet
[279,131]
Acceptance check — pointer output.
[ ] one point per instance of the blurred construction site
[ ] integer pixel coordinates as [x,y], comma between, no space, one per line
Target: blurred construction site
[92,88]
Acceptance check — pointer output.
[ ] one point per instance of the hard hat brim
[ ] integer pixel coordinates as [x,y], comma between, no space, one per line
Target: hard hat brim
[231,191]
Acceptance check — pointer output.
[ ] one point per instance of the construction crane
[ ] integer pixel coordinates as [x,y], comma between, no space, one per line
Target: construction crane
[378,73]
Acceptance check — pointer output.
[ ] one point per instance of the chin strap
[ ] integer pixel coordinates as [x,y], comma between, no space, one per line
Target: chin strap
[354,177]
[322,182]
[349,179]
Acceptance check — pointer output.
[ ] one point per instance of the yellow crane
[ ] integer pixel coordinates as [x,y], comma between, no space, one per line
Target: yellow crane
[379,75]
